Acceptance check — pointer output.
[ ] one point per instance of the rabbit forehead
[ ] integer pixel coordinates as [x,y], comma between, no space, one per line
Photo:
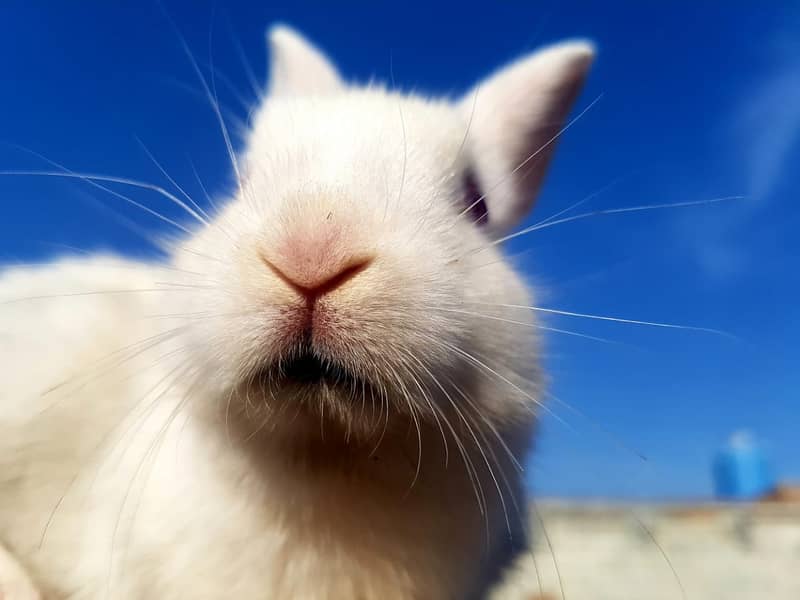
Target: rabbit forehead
[356,137]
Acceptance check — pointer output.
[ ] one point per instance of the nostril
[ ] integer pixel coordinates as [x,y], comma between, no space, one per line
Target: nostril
[318,279]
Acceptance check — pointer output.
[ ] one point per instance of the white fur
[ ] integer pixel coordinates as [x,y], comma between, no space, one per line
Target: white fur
[134,430]
[14,581]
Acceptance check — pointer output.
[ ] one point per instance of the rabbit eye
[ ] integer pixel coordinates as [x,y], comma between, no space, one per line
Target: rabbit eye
[474,201]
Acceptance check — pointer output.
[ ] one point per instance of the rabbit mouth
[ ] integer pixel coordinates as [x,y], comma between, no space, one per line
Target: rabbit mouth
[310,371]
[307,368]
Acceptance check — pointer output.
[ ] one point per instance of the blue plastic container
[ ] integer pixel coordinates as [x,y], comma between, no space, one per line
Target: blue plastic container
[741,471]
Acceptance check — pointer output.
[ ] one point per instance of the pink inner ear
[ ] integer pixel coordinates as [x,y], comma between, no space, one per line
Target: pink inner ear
[474,200]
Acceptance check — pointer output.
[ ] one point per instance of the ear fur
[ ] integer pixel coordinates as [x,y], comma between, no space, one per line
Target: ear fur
[514,117]
[297,67]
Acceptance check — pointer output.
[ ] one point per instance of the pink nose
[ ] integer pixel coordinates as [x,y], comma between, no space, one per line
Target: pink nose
[314,265]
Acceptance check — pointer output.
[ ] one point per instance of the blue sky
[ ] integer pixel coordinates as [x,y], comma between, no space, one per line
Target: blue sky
[699,101]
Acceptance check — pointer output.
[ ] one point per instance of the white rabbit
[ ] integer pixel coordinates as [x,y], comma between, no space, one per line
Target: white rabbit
[325,393]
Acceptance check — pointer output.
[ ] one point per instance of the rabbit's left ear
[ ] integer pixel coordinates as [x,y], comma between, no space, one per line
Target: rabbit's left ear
[514,117]
[297,67]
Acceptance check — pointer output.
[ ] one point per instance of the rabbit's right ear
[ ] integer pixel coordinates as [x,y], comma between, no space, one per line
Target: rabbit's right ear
[297,67]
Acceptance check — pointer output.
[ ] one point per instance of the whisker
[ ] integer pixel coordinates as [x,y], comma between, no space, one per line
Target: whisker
[175,284]
[580,202]
[383,397]
[405,141]
[131,423]
[472,473]
[117,216]
[197,93]
[469,126]
[608,211]
[417,426]
[111,361]
[550,547]
[248,70]
[208,197]
[244,103]
[92,293]
[200,214]
[663,553]
[495,373]
[480,450]
[92,180]
[105,439]
[199,254]
[594,424]
[433,411]
[214,105]
[614,319]
[533,325]
[150,454]
[489,425]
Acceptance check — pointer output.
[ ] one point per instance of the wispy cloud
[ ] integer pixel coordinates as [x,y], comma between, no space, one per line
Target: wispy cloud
[766,123]
[759,136]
